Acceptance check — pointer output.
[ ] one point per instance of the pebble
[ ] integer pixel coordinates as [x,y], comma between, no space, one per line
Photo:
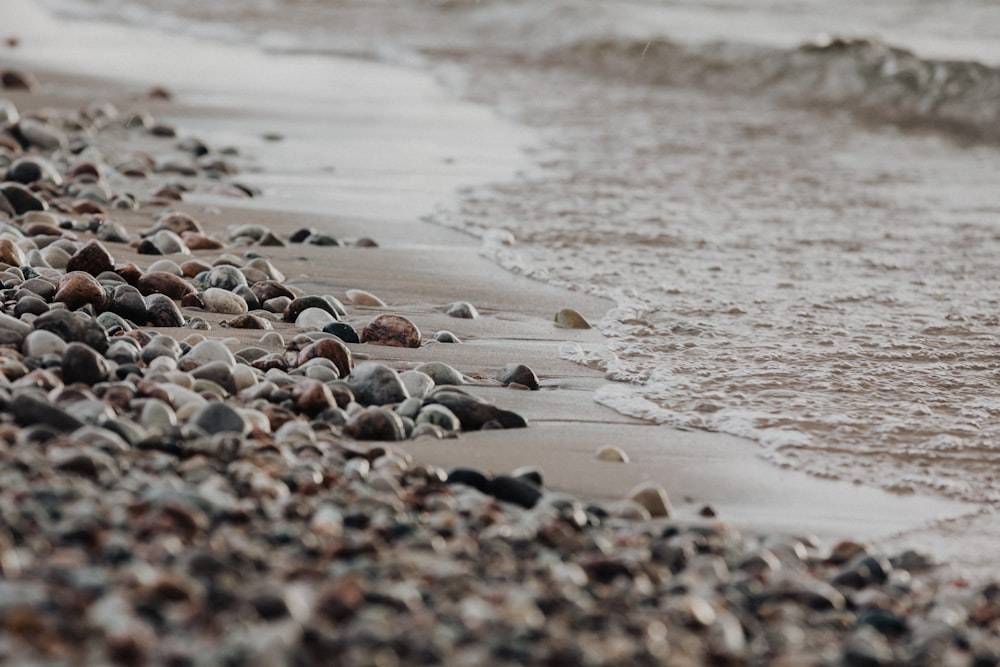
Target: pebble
[567,318]
[343,331]
[417,383]
[41,343]
[463,309]
[362,298]
[392,330]
[92,258]
[225,277]
[475,413]
[81,363]
[612,454]
[217,417]
[161,311]
[446,337]
[441,373]
[302,303]
[518,374]
[653,498]
[328,348]
[77,289]
[314,318]
[374,383]
[218,300]
[165,283]
[375,423]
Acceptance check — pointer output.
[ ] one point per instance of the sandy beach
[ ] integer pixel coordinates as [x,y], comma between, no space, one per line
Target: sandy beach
[370,160]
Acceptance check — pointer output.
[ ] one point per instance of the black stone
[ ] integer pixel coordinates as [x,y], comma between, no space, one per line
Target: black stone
[515,490]
[74,327]
[343,331]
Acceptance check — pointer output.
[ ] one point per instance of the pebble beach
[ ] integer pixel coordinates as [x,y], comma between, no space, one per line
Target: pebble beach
[240,431]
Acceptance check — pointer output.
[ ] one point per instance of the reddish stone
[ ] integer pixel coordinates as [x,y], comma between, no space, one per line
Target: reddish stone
[392,330]
[92,258]
[77,289]
[328,348]
[162,282]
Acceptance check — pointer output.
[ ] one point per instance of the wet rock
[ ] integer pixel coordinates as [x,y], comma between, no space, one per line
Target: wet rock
[567,318]
[248,322]
[474,413]
[612,454]
[418,384]
[375,423]
[21,199]
[362,298]
[29,169]
[127,302]
[29,409]
[92,258]
[297,306]
[343,331]
[218,417]
[518,374]
[391,330]
[514,490]
[218,300]
[74,327]
[161,311]
[652,497]
[11,254]
[225,277]
[376,384]
[162,282]
[441,373]
[328,348]
[77,289]
[463,310]
[81,363]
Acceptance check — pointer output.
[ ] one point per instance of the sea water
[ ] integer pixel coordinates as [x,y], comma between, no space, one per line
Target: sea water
[793,204]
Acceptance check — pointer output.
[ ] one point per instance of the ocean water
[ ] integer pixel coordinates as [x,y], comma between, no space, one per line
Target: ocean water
[794,204]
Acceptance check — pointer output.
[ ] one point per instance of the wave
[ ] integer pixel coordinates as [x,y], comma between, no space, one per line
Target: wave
[873,80]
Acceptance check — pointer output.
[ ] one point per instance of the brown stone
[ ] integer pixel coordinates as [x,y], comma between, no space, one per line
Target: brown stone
[77,289]
[193,267]
[328,348]
[162,282]
[129,272]
[11,254]
[312,397]
[270,289]
[195,241]
[92,258]
[392,330]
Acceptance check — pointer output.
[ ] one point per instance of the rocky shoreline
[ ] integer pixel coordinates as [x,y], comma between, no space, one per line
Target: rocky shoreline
[200,464]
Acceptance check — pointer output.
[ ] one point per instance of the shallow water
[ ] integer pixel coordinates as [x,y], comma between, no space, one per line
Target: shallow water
[800,240]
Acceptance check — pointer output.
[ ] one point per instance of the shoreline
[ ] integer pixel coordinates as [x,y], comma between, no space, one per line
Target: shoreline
[418,269]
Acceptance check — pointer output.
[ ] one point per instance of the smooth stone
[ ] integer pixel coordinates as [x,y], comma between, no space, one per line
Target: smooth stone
[343,331]
[16,329]
[328,348]
[92,258]
[81,363]
[218,417]
[267,268]
[446,337]
[218,300]
[612,454]
[122,353]
[21,199]
[474,413]
[112,232]
[519,374]
[161,311]
[417,383]
[167,265]
[39,343]
[11,253]
[245,293]
[78,289]
[211,350]
[168,243]
[410,407]
[312,397]
[127,302]
[653,497]
[176,222]
[220,372]
[567,318]
[254,232]
[440,416]
[314,318]
[43,135]
[162,282]
[30,304]
[362,298]
[391,330]
[470,477]
[375,423]
[248,321]
[374,383]
[29,409]
[225,277]
[196,241]
[244,376]
[73,327]
[157,414]
[463,310]
[299,304]
[441,373]
[43,288]
[161,346]
[265,290]
[29,169]
[514,490]
[54,257]
[113,323]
